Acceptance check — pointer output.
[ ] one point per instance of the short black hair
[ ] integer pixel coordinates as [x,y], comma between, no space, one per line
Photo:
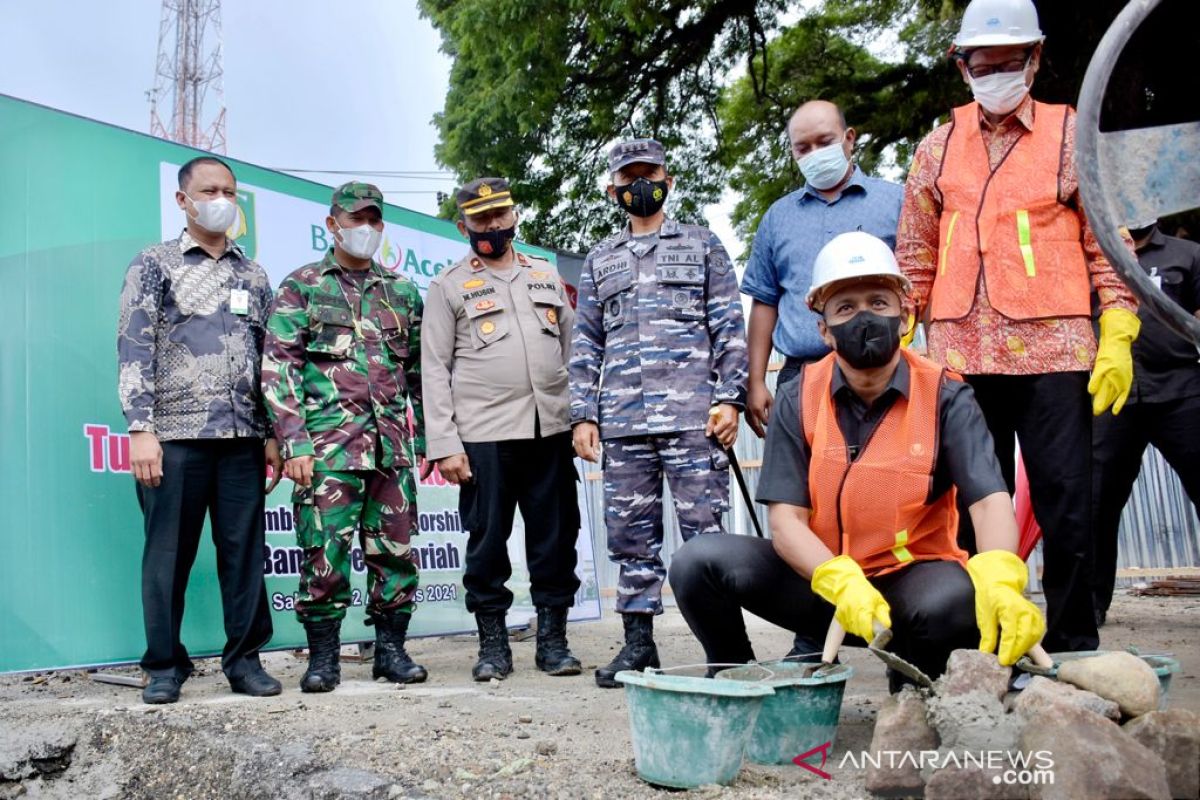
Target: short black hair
[185,172]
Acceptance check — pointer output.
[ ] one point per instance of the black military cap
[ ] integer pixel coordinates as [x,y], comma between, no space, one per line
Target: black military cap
[483,194]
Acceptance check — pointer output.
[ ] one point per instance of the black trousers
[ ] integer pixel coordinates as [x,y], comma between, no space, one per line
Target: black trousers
[715,577]
[223,478]
[537,476]
[1118,443]
[1051,416]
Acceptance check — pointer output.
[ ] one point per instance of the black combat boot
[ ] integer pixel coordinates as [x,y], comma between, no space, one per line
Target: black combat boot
[391,659]
[495,656]
[553,656]
[324,647]
[638,653]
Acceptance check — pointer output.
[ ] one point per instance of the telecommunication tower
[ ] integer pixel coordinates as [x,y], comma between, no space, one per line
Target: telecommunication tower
[187,103]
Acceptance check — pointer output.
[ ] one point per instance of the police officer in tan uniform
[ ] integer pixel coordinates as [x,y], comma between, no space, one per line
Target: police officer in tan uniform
[495,342]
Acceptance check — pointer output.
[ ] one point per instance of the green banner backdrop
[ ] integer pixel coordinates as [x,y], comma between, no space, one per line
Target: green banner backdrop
[78,199]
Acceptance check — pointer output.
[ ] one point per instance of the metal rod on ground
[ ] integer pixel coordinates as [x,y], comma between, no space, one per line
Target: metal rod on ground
[741,482]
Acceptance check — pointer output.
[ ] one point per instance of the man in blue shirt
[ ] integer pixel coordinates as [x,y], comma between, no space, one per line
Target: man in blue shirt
[836,198]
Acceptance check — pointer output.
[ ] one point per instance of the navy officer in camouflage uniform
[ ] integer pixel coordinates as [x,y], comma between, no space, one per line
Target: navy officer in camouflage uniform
[658,374]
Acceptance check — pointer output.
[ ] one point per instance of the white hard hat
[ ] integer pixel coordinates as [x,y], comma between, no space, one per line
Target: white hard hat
[849,256]
[994,23]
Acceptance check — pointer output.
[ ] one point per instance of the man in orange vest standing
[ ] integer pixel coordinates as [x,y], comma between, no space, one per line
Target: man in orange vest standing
[867,452]
[1003,262]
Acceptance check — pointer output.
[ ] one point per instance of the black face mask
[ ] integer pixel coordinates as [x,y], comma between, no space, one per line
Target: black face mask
[867,339]
[643,197]
[491,244]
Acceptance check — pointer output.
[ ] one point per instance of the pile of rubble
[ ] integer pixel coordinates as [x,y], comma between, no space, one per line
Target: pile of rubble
[1096,732]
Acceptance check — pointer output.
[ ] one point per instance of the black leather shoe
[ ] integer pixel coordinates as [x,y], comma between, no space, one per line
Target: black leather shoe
[256,684]
[161,690]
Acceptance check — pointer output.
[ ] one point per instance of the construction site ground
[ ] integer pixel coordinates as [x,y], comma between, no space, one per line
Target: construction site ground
[529,736]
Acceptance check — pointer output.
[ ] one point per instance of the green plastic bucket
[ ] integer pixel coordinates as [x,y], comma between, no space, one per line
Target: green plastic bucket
[801,715]
[687,731]
[1164,667]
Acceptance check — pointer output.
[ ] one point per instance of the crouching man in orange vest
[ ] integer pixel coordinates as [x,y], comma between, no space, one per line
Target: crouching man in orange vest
[867,452]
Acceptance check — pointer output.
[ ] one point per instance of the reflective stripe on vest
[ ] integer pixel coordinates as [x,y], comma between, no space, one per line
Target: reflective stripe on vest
[1009,222]
[874,509]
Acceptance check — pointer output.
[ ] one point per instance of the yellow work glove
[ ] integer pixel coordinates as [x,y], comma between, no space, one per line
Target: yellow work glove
[841,581]
[1000,577]
[1112,376]
[907,338]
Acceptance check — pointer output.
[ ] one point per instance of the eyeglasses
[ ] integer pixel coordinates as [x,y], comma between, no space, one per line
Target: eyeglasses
[983,70]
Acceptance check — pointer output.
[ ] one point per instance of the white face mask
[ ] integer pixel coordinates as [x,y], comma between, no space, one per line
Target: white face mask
[360,242]
[216,216]
[1001,92]
[825,167]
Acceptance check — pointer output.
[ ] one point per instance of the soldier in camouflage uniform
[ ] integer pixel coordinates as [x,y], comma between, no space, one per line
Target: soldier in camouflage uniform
[341,373]
[658,371]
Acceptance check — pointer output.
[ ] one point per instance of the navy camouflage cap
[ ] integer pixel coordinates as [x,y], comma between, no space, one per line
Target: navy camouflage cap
[631,151]
[483,194]
[356,195]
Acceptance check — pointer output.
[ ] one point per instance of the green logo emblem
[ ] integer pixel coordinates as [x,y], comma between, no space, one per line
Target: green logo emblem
[244,231]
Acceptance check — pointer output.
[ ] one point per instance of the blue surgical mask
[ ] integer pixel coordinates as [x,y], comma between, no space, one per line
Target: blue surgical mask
[825,167]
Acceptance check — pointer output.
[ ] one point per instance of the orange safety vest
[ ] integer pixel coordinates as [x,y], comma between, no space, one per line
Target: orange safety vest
[1011,221]
[875,508]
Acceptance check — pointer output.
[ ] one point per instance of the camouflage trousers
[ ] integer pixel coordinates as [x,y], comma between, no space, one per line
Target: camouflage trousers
[696,469]
[381,505]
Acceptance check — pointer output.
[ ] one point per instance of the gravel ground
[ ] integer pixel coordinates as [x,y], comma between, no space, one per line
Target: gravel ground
[529,736]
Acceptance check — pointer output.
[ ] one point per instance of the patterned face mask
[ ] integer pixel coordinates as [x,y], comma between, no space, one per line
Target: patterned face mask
[643,197]
[491,244]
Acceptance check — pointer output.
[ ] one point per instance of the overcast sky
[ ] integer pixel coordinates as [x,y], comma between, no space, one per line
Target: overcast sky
[308,84]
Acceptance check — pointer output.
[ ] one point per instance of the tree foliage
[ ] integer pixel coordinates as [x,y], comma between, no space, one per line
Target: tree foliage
[540,88]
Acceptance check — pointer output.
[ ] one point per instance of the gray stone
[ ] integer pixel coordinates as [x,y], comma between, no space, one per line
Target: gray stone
[1044,694]
[1121,677]
[901,727]
[973,722]
[347,782]
[1092,757]
[972,783]
[973,671]
[1175,736]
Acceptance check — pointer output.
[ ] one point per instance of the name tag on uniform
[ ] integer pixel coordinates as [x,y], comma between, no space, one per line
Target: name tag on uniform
[239,301]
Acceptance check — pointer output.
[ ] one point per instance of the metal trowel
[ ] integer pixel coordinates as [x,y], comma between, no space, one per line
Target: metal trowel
[1036,656]
[882,637]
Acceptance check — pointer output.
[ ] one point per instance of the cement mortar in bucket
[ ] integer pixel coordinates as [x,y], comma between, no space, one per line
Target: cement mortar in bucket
[801,715]
[687,731]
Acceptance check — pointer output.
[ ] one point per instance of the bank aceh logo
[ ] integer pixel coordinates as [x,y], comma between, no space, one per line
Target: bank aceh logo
[801,760]
[243,230]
